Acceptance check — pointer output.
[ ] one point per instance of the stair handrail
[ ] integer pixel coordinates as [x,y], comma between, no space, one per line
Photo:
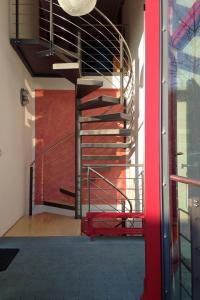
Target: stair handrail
[75,45]
[110,183]
[121,38]
[33,164]
[105,17]
[63,139]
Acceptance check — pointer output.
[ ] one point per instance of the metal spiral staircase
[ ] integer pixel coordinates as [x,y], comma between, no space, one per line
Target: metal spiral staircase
[91,52]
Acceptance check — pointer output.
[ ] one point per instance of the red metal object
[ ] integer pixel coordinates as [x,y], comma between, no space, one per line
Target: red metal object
[90,228]
[152,286]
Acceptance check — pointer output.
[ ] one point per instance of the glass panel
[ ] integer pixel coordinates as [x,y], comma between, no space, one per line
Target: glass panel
[185,252]
[184,110]
[184,224]
[184,295]
[186,279]
[182,196]
[184,44]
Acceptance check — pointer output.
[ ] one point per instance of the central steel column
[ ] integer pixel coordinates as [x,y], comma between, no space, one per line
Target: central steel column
[78,204]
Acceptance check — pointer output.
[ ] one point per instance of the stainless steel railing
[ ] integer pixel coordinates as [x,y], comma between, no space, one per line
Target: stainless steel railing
[95,41]
[103,194]
[99,46]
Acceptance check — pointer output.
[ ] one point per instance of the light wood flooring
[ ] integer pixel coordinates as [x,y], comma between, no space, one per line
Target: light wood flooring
[45,224]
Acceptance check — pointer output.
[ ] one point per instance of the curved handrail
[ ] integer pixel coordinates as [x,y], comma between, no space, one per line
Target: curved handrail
[121,36]
[124,42]
[77,26]
[186,180]
[114,186]
[108,20]
[101,74]
[65,138]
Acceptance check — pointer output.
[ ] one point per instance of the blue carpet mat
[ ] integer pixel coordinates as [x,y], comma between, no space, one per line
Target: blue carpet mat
[73,268]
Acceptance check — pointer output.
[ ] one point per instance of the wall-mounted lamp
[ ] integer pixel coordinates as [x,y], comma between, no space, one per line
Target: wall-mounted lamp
[77,8]
[24,100]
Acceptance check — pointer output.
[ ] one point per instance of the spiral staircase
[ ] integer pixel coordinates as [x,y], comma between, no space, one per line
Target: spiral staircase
[90,52]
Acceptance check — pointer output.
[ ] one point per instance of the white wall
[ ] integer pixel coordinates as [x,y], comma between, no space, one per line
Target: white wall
[28,19]
[133,17]
[15,129]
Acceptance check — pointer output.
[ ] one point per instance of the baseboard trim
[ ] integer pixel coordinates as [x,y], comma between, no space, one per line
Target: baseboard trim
[38,209]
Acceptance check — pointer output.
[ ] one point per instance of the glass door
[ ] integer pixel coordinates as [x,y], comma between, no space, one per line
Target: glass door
[184,114]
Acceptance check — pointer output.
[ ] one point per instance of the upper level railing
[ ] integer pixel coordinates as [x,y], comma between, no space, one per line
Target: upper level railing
[99,44]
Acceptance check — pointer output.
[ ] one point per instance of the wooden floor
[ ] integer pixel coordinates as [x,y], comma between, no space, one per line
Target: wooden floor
[45,224]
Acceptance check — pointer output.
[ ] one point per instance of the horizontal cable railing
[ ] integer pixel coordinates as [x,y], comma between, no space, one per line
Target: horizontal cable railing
[112,55]
[99,44]
[48,175]
[110,194]
[101,189]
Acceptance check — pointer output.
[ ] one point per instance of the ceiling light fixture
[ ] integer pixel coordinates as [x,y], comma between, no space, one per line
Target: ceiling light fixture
[77,8]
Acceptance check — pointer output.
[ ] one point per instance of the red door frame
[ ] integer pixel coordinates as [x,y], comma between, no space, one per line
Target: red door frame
[152,286]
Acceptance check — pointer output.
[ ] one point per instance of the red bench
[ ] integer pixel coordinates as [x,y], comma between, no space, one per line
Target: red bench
[97,224]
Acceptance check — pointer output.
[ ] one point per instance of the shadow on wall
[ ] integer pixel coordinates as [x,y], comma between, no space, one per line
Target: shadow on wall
[29,131]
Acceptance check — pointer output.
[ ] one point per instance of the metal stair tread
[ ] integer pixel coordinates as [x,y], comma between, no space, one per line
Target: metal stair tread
[87,86]
[70,74]
[106,165]
[103,157]
[100,101]
[105,118]
[106,145]
[85,169]
[29,50]
[110,132]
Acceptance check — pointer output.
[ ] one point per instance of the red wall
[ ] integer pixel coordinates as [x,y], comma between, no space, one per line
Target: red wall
[54,111]
[55,121]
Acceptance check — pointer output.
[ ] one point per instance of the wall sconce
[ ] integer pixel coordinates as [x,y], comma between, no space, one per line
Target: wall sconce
[24,100]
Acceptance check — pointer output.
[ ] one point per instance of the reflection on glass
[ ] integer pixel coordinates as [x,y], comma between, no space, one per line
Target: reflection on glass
[185,252]
[186,279]
[183,196]
[185,295]
[184,224]
[184,108]
[185,83]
